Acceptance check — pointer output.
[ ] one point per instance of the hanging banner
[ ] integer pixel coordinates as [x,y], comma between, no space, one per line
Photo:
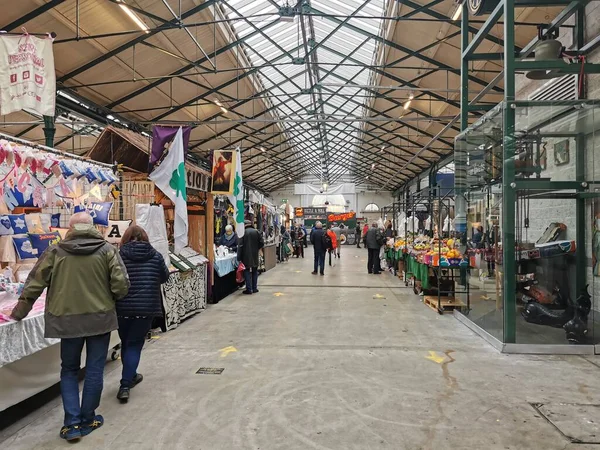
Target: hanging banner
[27,76]
[223,172]
[162,138]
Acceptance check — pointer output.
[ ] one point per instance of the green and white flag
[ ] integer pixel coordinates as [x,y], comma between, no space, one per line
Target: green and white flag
[237,199]
[169,177]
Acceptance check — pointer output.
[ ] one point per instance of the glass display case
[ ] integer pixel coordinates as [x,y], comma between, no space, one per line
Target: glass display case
[529,217]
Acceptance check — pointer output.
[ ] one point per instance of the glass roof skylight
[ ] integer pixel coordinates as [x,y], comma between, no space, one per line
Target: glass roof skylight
[317,118]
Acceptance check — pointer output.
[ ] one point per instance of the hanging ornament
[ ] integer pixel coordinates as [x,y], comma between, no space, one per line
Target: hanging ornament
[50,197]
[38,197]
[24,182]
[18,158]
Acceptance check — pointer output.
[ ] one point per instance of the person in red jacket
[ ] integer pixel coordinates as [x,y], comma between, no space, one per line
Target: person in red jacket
[334,242]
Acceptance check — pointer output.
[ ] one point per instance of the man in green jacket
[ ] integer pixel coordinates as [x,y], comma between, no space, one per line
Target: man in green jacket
[84,276]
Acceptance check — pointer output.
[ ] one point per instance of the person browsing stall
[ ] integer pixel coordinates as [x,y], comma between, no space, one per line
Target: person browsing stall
[249,245]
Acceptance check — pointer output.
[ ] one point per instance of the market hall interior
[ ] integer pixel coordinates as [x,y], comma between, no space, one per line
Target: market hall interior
[344,361]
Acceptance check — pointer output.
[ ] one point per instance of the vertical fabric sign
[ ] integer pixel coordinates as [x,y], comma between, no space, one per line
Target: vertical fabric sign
[27,76]
[237,199]
[162,138]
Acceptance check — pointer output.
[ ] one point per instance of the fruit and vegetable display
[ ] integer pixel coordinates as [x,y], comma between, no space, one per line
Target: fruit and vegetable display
[432,251]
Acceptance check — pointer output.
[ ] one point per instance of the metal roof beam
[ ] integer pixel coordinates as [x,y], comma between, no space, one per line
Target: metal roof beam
[31,15]
[142,38]
[401,48]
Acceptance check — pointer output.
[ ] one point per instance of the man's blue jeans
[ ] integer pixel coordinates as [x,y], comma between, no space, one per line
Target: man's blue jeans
[251,279]
[133,335]
[77,413]
[320,261]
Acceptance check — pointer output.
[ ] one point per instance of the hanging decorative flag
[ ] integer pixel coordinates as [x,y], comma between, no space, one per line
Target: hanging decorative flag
[169,177]
[162,138]
[27,75]
[237,199]
[223,172]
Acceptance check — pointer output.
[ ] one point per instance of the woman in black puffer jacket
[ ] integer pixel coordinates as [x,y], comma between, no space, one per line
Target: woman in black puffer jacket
[147,271]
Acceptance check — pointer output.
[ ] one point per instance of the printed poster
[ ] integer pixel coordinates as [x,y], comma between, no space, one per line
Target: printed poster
[223,172]
[27,76]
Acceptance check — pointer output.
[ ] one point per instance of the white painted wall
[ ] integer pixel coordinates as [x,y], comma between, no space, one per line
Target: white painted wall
[358,201]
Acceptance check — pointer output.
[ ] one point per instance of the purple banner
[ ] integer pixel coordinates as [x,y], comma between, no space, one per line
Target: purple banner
[162,137]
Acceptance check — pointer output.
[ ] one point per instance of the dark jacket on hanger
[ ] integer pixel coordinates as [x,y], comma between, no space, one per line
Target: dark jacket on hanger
[147,271]
[248,246]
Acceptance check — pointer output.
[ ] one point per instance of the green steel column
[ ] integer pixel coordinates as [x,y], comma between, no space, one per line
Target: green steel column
[49,130]
[464,70]
[508,177]
[580,224]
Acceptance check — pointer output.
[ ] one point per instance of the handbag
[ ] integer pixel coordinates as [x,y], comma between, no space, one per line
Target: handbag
[239,274]
[290,248]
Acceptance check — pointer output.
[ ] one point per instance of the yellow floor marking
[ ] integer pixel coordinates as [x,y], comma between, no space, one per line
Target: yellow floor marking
[435,357]
[378,296]
[278,294]
[227,350]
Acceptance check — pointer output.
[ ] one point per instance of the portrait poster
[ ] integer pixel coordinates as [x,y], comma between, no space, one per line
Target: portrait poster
[223,172]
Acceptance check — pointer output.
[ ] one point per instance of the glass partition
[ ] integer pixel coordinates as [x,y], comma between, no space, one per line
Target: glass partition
[539,179]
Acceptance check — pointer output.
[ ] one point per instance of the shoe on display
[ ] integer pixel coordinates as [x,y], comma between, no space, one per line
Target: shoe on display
[137,380]
[71,433]
[96,423]
[123,394]
[246,292]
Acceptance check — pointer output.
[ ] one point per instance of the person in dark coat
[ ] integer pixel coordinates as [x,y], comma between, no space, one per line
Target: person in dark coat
[373,241]
[147,271]
[389,232]
[316,239]
[229,239]
[358,233]
[248,248]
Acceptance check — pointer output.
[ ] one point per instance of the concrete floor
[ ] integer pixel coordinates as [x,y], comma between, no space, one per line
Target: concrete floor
[345,361]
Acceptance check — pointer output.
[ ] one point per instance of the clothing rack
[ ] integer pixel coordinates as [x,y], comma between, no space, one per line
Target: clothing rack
[54,151]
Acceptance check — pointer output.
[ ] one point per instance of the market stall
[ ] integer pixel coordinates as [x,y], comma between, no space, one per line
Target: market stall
[141,202]
[40,188]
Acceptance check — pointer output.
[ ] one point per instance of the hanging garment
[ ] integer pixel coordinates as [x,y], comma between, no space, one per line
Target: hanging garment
[152,219]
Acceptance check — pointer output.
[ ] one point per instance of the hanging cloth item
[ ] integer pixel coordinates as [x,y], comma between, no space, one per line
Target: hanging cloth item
[152,219]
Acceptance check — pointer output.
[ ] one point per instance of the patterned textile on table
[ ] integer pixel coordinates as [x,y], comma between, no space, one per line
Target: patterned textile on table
[226,265]
[21,339]
[184,295]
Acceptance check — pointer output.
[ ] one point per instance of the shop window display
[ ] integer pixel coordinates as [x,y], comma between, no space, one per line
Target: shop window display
[533,186]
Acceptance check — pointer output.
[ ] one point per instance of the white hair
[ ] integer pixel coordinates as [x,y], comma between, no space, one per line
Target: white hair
[228,228]
[318,224]
[82,218]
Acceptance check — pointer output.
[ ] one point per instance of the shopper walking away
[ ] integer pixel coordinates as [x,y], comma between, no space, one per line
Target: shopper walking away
[299,242]
[84,276]
[318,241]
[364,232]
[358,234]
[373,242]
[248,248]
[229,239]
[147,271]
[331,242]
[338,236]
[305,236]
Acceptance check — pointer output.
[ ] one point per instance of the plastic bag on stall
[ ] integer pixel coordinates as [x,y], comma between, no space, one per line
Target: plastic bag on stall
[239,274]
